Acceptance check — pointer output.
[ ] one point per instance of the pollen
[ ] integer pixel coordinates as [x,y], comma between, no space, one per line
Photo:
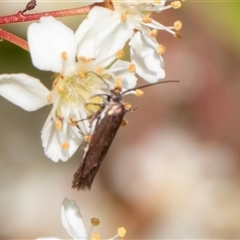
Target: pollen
[161,49]
[49,98]
[146,19]
[64,55]
[139,93]
[99,70]
[60,88]
[94,221]
[81,74]
[95,236]
[118,82]
[122,232]
[177,25]
[124,123]
[176,4]
[58,125]
[123,17]
[119,54]
[65,145]
[153,33]
[131,68]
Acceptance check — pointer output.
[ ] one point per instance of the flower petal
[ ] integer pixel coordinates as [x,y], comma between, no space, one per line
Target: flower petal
[24,91]
[102,34]
[53,139]
[48,40]
[72,220]
[149,64]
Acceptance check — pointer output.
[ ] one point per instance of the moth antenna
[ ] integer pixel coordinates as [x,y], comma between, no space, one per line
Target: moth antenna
[150,84]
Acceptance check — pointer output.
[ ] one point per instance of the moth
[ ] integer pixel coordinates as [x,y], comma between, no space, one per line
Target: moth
[106,124]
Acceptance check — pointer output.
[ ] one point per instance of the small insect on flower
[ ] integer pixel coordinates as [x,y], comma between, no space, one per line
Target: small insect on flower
[105,125]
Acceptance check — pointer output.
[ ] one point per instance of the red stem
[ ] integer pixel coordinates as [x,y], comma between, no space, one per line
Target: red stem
[21,17]
[14,39]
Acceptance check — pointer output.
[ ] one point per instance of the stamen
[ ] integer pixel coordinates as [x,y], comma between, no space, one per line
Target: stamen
[127,106]
[65,145]
[177,35]
[161,49]
[58,125]
[131,68]
[118,82]
[82,58]
[146,19]
[123,17]
[122,232]
[81,74]
[95,221]
[49,98]
[64,55]
[60,88]
[99,70]
[139,93]
[177,25]
[73,121]
[95,236]
[88,138]
[119,54]
[153,33]
[176,4]
[124,122]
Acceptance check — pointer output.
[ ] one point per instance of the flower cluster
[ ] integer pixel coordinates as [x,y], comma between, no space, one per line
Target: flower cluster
[87,63]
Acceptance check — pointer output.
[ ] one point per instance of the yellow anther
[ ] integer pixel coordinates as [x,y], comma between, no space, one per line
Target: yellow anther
[123,17]
[124,122]
[131,68]
[81,74]
[153,33]
[122,232]
[65,145]
[119,54]
[95,236]
[176,4]
[161,49]
[73,121]
[88,138]
[64,55]
[94,221]
[146,19]
[139,93]
[82,58]
[177,25]
[58,125]
[60,88]
[49,98]
[118,82]
[99,70]
[177,35]
[127,106]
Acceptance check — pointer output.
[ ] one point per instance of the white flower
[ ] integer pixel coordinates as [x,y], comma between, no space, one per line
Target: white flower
[144,48]
[73,223]
[55,47]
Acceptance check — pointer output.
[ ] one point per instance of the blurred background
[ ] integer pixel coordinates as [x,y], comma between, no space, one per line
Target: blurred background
[173,172]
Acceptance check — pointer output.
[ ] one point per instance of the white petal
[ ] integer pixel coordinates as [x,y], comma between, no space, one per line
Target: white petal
[102,34]
[72,220]
[47,41]
[24,91]
[52,140]
[149,64]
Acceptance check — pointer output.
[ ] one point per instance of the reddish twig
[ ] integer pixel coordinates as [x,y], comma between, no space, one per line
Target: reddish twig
[21,17]
[14,39]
